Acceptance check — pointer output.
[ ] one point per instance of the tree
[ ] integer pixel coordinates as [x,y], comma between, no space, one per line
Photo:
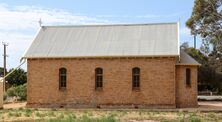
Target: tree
[18,77]
[197,55]
[208,75]
[206,21]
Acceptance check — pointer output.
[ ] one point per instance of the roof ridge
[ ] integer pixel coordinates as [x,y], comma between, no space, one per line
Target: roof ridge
[103,25]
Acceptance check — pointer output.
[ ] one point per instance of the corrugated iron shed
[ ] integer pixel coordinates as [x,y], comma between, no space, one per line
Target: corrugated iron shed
[106,41]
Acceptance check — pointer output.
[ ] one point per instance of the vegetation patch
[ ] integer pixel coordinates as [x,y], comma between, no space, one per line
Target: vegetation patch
[95,115]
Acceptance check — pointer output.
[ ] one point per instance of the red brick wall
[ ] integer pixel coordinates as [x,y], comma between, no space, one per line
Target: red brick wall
[157,87]
[186,96]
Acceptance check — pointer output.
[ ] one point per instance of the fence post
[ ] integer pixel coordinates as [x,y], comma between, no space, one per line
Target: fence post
[1,94]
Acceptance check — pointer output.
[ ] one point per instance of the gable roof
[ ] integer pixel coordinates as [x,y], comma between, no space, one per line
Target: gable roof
[106,41]
[186,59]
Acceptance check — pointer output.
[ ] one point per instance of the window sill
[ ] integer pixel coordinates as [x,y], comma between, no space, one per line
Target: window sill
[62,89]
[136,89]
[99,89]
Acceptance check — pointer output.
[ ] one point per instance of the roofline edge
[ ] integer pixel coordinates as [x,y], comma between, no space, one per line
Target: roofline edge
[23,55]
[178,38]
[142,56]
[117,24]
[184,64]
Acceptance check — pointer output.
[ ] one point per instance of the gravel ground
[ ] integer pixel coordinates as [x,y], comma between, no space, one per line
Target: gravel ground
[14,105]
[210,104]
[215,105]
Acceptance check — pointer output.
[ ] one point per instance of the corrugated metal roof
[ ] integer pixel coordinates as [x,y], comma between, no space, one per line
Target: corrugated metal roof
[186,59]
[106,40]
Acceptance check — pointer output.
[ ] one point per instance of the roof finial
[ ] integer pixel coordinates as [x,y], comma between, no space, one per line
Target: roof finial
[40,22]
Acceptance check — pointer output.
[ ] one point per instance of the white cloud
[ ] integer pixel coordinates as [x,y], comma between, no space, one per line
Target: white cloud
[186,36]
[19,24]
[17,43]
[185,31]
[26,17]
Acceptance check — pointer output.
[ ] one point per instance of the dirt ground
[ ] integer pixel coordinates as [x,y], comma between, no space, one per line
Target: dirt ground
[205,105]
[206,112]
[211,104]
[14,105]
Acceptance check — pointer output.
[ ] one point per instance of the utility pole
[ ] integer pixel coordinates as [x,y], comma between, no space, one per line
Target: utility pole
[4,64]
[194,41]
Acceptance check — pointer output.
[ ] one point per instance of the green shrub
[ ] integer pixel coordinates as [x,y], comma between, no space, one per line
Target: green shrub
[14,114]
[212,115]
[10,114]
[11,92]
[28,112]
[17,114]
[51,113]
[195,119]
[39,114]
[84,118]
[61,116]
[18,91]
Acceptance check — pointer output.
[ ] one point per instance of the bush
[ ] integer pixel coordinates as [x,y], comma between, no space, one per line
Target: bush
[18,77]
[18,91]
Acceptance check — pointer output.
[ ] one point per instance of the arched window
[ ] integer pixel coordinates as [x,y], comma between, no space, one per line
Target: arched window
[62,78]
[136,78]
[188,77]
[98,78]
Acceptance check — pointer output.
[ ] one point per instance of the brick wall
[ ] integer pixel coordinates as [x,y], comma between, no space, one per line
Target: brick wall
[157,86]
[186,96]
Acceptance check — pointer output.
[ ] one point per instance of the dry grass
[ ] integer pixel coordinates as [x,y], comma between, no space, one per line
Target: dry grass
[97,115]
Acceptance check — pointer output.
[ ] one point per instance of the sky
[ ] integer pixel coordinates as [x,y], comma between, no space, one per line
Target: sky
[19,18]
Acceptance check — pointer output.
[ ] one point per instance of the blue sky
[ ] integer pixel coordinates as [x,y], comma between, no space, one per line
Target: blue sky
[19,18]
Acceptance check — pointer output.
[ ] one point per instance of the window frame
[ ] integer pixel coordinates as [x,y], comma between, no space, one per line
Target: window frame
[188,77]
[136,78]
[98,78]
[62,78]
